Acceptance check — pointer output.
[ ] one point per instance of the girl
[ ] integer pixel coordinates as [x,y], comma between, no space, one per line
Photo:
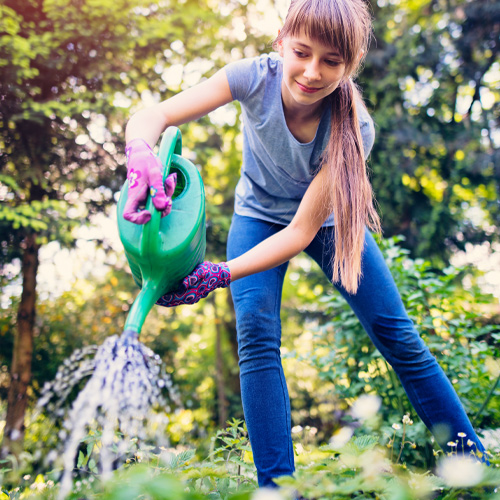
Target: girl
[303,187]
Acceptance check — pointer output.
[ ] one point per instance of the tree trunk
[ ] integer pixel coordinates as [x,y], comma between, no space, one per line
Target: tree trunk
[23,351]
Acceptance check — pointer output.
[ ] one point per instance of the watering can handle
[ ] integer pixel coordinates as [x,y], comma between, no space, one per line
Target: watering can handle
[171,143]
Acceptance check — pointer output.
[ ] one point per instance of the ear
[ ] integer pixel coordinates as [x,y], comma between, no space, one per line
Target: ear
[280,46]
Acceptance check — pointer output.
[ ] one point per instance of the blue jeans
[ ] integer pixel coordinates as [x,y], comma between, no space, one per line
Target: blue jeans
[377,304]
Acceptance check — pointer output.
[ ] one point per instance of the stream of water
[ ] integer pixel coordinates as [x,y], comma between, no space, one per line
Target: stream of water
[127,382]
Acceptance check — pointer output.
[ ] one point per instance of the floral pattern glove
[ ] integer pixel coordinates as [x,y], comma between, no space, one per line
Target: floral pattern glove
[145,172]
[205,278]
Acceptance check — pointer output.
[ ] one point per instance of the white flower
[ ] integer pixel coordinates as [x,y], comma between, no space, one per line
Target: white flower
[267,494]
[340,438]
[396,427]
[38,486]
[374,463]
[461,434]
[297,429]
[470,442]
[27,477]
[366,407]
[460,472]
[451,443]
[407,420]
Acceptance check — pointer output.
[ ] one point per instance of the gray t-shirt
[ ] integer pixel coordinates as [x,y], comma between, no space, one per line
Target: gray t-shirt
[277,169]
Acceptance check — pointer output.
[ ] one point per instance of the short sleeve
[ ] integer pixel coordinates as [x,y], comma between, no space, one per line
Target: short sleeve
[241,77]
[246,77]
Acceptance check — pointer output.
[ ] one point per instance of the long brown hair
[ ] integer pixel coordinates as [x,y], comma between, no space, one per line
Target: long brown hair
[346,26]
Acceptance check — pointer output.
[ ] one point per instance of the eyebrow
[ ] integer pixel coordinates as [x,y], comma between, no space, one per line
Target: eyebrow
[335,54]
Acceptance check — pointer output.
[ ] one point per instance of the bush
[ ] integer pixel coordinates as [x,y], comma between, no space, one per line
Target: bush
[457,325]
[358,469]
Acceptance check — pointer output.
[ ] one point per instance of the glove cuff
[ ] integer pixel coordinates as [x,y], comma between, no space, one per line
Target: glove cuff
[136,144]
[225,275]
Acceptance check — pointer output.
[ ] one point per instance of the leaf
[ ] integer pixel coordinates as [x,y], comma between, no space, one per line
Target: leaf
[203,472]
[364,443]
[414,296]
[185,456]
[355,446]
[237,460]
[81,459]
[243,495]
[223,486]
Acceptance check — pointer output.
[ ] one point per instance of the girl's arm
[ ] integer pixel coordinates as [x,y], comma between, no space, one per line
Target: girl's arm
[190,104]
[275,250]
[289,242]
[144,169]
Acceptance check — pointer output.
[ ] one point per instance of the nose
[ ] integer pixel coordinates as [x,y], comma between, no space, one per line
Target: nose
[312,71]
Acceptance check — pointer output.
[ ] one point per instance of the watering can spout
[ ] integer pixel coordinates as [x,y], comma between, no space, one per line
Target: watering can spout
[166,249]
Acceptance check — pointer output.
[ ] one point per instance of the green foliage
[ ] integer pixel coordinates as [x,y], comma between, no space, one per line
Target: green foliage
[431,82]
[233,452]
[71,72]
[452,321]
[223,472]
[360,469]
[68,73]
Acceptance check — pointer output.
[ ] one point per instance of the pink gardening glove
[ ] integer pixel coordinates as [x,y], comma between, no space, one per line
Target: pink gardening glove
[205,278]
[145,172]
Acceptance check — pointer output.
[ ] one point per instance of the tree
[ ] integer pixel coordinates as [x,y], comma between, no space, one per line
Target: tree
[68,73]
[431,80]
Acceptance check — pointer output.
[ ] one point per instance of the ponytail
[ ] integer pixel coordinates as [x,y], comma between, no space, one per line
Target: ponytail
[346,26]
[351,197]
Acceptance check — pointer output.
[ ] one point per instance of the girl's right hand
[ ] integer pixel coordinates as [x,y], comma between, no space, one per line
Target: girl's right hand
[205,278]
[144,171]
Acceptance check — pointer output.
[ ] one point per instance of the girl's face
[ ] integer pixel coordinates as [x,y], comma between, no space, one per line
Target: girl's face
[311,71]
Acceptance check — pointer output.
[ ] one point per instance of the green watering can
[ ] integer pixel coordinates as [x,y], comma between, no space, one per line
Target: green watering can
[165,250]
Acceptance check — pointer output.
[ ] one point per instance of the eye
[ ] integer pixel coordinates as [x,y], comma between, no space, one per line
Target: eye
[298,53]
[332,63]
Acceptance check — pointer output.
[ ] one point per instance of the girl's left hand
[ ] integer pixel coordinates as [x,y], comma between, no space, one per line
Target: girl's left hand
[205,278]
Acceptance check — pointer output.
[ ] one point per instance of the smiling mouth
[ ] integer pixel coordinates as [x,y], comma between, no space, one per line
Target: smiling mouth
[309,90]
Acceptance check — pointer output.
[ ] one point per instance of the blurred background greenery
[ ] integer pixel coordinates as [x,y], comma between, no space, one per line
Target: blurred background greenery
[72,72]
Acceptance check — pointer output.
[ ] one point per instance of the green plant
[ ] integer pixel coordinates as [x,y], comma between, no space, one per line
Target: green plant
[232,452]
[362,469]
[452,320]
